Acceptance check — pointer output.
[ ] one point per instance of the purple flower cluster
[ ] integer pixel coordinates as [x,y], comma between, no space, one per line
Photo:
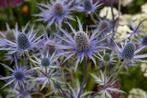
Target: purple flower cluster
[52,60]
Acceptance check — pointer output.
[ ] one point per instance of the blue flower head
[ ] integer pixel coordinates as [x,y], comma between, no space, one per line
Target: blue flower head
[128,51]
[46,61]
[88,6]
[18,77]
[49,61]
[130,54]
[24,40]
[79,44]
[105,26]
[48,78]
[55,12]
[30,87]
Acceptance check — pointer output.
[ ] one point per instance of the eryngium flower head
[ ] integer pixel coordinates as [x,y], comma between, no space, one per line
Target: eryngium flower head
[108,87]
[30,87]
[80,44]
[88,6]
[24,40]
[45,62]
[104,26]
[55,12]
[48,78]
[19,76]
[128,51]
[144,41]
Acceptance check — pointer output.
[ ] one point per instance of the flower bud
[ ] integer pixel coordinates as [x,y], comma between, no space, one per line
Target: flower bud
[23,41]
[128,51]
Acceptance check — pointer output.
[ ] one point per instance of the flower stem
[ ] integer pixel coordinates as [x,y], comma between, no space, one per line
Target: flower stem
[84,77]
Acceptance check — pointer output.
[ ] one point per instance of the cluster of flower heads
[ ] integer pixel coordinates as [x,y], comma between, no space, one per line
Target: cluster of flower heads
[51,62]
[59,10]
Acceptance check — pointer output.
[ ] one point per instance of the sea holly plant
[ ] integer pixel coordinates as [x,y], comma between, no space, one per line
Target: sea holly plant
[107,85]
[20,42]
[129,54]
[80,44]
[88,6]
[71,60]
[55,12]
[19,76]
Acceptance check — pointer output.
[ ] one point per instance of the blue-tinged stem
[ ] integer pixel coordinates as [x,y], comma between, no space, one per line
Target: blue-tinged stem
[113,21]
[84,77]
[140,23]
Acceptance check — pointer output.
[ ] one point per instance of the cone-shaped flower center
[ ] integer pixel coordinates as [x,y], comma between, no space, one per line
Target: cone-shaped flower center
[23,41]
[59,9]
[104,26]
[87,5]
[19,75]
[107,57]
[128,51]
[45,62]
[144,41]
[82,43]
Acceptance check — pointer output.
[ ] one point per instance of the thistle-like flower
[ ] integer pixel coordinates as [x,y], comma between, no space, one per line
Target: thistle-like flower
[30,87]
[46,62]
[18,77]
[47,69]
[106,58]
[48,78]
[128,51]
[105,26]
[107,87]
[88,6]
[23,41]
[129,54]
[80,45]
[55,12]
